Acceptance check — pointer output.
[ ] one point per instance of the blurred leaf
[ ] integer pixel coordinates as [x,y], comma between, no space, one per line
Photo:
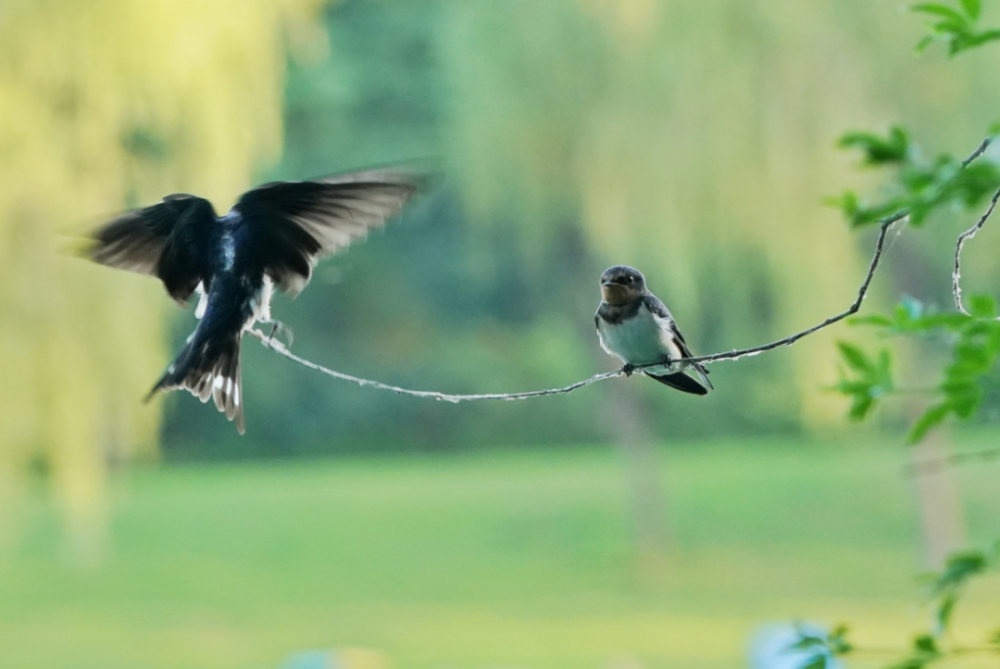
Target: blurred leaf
[920,185]
[972,8]
[956,29]
[872,379]
[925,643]
[983,306]
[940,10]
[872,319]
[855,357]
[945,607]
[815,662]
[930,418]
[877,150]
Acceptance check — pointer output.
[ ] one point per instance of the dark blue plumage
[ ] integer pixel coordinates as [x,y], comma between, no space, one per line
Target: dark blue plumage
[272,237]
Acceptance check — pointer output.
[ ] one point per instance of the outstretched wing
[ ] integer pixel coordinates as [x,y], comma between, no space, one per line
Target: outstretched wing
[296,223]
[169,240]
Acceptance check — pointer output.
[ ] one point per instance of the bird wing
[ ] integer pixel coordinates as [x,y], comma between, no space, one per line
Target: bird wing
[295,223]
[168,240]
[660,311]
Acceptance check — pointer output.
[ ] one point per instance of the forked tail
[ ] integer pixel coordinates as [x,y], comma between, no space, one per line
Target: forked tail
[209,367]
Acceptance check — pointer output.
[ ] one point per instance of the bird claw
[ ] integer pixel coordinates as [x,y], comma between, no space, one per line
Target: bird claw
[628,368]
[281,330]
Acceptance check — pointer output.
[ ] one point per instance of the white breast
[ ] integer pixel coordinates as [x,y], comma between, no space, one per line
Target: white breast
[639,340]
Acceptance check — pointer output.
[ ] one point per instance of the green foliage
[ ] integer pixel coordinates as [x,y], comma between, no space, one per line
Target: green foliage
[957,27]
[974,343]
[919,186]
[821,649]
[877,150]
[868,380]
[945,589]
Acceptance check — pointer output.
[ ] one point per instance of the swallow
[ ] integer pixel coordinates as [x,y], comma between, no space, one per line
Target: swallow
[272,237]
[634,325]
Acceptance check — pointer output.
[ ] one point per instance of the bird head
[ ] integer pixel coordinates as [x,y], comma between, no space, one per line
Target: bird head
[622,284]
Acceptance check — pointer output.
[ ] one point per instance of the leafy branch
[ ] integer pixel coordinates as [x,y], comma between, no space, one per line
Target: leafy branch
[958,27]
[944,591]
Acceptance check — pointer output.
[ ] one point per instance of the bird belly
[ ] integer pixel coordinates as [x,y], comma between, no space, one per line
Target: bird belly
[638,340]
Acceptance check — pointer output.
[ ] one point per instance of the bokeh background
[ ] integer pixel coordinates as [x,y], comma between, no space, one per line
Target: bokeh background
[619,526]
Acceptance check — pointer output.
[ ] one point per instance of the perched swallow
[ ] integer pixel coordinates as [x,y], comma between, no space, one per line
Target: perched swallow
[274,235]
[633,325]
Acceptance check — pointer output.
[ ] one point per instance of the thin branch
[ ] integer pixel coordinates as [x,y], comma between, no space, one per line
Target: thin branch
[279,348]
[885,225]
[956,274]
[940,464]
[980,150]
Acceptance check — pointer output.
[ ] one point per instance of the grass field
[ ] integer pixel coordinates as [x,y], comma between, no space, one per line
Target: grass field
[485,560]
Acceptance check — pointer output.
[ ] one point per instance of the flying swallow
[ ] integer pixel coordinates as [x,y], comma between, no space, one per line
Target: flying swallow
[634,325]
[273,236]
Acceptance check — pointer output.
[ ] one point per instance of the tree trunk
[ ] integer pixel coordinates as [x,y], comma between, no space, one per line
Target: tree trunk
[939,498]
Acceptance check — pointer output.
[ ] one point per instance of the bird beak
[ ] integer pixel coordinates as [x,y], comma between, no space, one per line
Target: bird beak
[607,282]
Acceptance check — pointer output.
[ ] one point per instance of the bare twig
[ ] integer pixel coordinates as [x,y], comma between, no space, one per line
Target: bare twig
[956,274]
[980,150]
[279,348]
[885,225]
[932,466]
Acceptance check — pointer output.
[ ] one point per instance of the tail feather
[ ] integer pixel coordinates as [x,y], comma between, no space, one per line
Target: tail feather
[682,382]
[702,373]
[209,369]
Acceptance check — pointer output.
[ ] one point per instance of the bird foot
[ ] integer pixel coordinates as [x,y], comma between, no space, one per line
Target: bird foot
[281,330]
[628,368]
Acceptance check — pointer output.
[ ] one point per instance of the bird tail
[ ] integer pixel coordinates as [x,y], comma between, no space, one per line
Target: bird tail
[209,367]
[685,383]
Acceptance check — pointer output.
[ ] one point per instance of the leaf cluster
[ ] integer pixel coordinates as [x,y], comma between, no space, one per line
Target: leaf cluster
[957,27]
[920,184]
[819,649]
[944,589]
[974,342]
[866,380]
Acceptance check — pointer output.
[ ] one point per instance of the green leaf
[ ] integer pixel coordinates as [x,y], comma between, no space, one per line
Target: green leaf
[815,662]
[972,8]
[925,42]
[855,357]
[925,643]
[872,319]
[931,417]
[942,614]
[961,566]
[983,306]
[860,407]
[943,11]
[892,148]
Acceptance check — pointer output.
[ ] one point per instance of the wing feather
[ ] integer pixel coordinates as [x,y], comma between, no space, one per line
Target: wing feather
[296,223]
[168,240]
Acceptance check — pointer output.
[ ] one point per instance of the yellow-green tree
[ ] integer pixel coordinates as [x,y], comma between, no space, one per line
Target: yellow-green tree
[105,103]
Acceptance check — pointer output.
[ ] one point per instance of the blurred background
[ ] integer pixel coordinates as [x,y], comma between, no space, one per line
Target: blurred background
[620,526]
